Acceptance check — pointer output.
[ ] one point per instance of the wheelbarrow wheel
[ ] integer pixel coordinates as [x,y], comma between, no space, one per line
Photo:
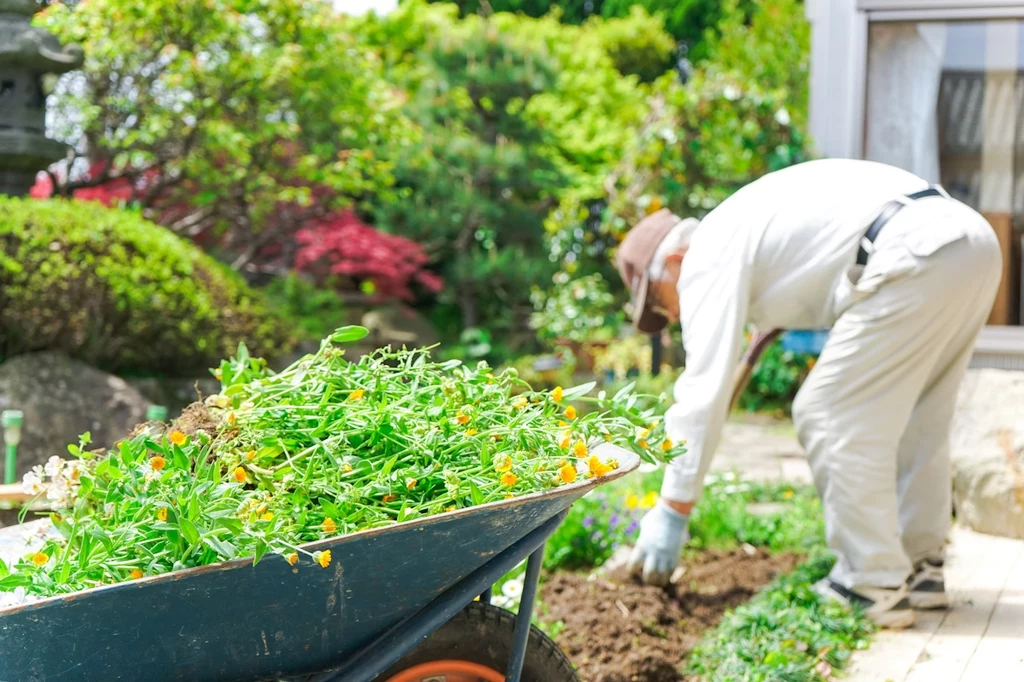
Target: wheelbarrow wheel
[475,646]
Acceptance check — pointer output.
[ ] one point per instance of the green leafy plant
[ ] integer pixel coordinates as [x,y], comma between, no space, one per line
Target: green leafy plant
[327,446]
[312,311]
[580,310]
[776,379]
[787,632]
[110,288]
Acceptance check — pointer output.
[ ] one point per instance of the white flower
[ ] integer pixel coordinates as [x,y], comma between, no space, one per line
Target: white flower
[782,117]
[31,484]
[502,601]
[730,93]
[54,466]
[108,509]
[16,598]
[513,589]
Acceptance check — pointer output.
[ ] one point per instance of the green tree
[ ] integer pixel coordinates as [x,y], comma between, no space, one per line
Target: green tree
[688,21]
[220,114]
[475,188]
[770,46]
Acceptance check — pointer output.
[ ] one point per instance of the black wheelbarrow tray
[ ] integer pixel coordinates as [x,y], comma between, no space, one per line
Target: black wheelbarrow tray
[406,603]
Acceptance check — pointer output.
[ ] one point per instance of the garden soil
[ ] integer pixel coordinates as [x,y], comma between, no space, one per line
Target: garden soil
[618,630]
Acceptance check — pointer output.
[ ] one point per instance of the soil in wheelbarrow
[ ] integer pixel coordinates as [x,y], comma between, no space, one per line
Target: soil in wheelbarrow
[618,630]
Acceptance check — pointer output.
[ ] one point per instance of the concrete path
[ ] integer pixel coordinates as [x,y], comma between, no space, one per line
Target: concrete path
[762,448]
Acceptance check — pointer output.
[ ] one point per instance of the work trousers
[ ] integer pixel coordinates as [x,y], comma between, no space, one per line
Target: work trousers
[874,414]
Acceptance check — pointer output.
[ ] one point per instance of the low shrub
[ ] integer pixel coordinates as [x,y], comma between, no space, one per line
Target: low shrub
[120,293]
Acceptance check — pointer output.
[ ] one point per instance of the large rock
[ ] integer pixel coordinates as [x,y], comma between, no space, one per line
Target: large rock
[174,393]
[397,326]
[62,398]
[988,452]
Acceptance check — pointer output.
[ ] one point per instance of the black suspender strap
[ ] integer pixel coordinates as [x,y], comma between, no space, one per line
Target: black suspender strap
[888,211]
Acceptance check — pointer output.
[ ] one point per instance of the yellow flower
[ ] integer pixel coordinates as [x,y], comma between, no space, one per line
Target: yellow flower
[260,509]
[580,449]
[563,424]
[269,516]
[503,464]
[329,526]
[788,494]
[520,402]
[411,483]
[39,559]
[240,475]
[178,438]
[323,558]
[346,468]
[666,445]
[567,473]
[608,437]
[292,558]
[508,479]
[650,499]
[597,467]
[497,437]
[556,394]
[461,418]
[470,432]
[509,496]
[564,440]
[251,455]
[161,513]
[570,412]
[388,498]
[357,394]
[158,463]
[135,574]
[642,443]
[231,417]
[632,501]
[451,508]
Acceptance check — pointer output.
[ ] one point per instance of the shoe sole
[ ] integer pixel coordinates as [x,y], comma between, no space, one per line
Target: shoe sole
[929,601]
[895,620]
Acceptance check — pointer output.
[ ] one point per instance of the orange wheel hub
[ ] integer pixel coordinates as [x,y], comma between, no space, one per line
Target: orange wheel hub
[448,671]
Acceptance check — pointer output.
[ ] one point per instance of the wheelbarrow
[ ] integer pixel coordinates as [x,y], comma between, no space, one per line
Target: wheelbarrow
[406,603]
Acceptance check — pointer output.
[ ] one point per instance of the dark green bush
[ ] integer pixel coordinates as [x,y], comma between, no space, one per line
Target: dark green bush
[114,290]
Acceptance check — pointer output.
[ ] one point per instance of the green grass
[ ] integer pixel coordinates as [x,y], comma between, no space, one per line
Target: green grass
[786,633]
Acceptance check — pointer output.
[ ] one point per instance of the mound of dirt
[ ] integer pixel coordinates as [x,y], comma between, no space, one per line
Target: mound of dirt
[619,630]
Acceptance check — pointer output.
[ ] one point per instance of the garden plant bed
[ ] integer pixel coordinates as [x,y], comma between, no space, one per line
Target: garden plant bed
[619,630]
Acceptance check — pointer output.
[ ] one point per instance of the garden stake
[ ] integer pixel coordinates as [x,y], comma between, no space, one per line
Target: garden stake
[12,421]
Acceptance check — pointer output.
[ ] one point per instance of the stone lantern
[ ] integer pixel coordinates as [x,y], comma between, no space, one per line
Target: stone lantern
[26,55]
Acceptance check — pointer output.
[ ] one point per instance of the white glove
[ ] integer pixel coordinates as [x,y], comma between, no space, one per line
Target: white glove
[657,550]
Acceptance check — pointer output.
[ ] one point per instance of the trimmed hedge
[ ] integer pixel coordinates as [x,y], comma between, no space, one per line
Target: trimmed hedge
[120,293]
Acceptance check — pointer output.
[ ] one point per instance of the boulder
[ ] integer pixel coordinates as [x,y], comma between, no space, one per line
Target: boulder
[62,398]
[397,326]
[987,449]
[174,393]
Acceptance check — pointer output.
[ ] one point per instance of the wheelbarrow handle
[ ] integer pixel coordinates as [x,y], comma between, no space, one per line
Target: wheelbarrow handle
[748,362]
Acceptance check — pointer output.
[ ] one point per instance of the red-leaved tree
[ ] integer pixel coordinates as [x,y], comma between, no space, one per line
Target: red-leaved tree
[343,246]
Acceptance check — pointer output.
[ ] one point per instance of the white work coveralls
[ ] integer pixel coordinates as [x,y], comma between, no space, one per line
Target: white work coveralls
[874,413]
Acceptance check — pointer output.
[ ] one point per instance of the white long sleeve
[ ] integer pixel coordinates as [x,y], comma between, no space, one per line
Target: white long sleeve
[713,312]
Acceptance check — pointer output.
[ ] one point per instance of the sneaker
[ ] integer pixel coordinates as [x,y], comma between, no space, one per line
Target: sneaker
[928,586]
[887,607]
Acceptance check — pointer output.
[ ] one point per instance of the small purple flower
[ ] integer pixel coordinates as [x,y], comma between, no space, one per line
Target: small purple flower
[588,522]
[596,537]
[613,521]
[631,528]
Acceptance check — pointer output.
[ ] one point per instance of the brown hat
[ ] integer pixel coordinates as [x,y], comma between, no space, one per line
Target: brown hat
[634,259]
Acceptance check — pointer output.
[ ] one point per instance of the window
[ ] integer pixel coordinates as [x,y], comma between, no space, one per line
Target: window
[945,100]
